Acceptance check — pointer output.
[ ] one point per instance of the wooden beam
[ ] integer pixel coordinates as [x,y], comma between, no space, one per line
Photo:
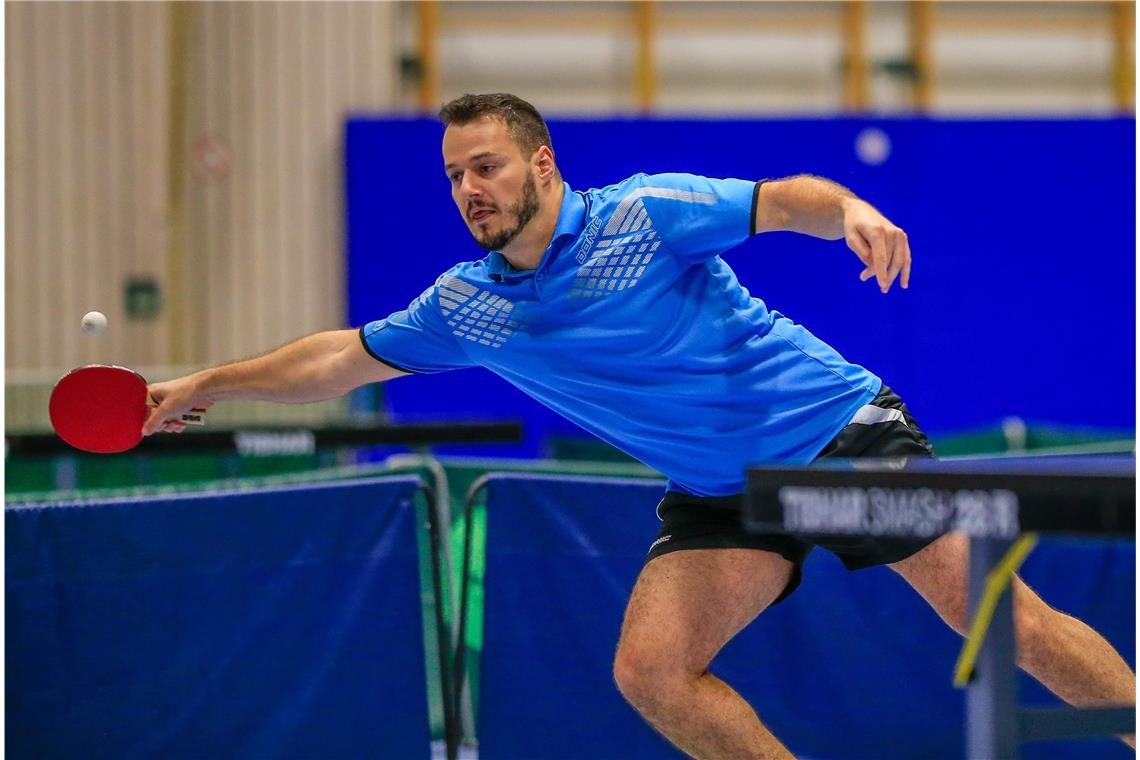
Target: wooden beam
[1124,55]
[465,23]
[921,29]
[976,18]
[427,36]
[857,73]
[670,19]
[645,63]
[683,19]
[176,284]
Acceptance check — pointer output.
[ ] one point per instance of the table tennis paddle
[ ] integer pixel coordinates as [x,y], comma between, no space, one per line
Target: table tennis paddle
[101,408]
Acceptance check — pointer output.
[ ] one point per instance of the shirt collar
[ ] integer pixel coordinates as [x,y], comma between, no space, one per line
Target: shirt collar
[570,218]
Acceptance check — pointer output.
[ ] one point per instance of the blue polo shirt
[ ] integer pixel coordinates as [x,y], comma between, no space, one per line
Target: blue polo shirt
[634,328]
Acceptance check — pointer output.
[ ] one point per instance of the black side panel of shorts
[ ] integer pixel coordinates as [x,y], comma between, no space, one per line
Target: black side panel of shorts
[881,439]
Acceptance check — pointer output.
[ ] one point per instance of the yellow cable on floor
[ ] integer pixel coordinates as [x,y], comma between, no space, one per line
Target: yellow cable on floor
[996,581]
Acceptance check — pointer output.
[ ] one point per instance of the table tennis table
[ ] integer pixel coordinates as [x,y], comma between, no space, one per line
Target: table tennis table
[292,438]
[997,502]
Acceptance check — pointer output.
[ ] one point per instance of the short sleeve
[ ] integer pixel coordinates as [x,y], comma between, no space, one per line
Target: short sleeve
[417,339]
[697,217]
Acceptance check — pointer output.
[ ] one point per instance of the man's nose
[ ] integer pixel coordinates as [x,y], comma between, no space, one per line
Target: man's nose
[469,186]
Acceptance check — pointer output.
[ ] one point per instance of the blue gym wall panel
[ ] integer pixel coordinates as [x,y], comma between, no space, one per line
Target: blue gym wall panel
[1022,299]
[260,624]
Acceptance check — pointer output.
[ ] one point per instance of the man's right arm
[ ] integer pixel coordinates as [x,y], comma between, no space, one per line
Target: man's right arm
[314,368]
[819,207]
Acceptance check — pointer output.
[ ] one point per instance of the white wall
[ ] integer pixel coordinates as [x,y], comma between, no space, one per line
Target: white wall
[107,179]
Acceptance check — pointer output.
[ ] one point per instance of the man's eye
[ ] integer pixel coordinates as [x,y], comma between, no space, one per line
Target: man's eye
[454,177]
[487,168]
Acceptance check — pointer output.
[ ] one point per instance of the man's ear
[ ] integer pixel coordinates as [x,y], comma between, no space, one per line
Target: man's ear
[543,162]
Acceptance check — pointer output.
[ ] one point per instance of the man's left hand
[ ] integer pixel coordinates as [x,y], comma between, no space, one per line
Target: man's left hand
[880,245]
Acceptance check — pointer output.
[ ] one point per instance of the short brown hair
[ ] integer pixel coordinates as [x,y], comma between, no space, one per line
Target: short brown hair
[524,123]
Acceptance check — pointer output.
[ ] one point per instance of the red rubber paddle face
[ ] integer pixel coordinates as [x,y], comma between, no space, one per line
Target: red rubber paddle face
[99,408]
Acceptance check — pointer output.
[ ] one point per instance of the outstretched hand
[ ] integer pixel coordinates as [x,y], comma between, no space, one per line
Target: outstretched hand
[174,398]
[880,245]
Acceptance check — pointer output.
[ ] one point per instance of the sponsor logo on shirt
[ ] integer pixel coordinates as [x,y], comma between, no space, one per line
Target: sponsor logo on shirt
[588,243]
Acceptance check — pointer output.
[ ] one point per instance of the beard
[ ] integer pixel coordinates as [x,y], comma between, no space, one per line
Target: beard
[523,212]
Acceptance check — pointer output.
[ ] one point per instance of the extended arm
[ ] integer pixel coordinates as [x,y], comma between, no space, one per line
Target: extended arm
[825,209]
[321,366]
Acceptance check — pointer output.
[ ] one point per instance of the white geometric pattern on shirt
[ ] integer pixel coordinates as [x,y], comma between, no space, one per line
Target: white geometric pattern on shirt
[619,259]
[475,314]
[627,244]
[632,206]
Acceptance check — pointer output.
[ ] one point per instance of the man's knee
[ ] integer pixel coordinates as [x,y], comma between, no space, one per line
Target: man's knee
[685,606]
[647,676]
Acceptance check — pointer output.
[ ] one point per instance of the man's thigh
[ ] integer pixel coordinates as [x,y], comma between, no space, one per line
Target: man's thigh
[688,604]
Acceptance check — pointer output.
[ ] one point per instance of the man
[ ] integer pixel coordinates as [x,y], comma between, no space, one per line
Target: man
[614,308]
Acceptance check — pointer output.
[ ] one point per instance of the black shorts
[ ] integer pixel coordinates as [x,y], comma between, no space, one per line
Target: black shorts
[883,428]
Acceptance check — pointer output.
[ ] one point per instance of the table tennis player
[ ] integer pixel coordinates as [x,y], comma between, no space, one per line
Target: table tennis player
[614,308]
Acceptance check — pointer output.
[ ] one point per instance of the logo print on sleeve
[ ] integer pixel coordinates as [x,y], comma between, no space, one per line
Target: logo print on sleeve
[477,315]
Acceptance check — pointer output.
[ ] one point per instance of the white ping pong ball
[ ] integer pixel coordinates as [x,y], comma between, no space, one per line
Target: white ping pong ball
[94,323]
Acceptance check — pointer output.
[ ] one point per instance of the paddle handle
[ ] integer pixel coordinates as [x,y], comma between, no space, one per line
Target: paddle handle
[192,417]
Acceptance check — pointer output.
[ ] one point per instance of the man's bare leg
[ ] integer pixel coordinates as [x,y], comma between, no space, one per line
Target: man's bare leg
[1070,659]
[685,607]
